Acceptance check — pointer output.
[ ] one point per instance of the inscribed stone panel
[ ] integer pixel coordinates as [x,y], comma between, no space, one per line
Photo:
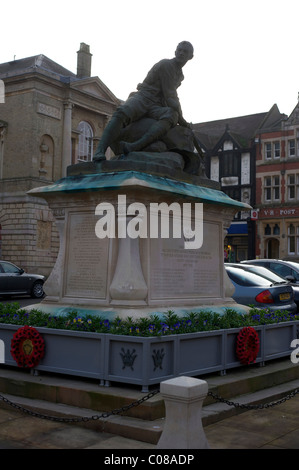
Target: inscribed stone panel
[179,273]
[87,258]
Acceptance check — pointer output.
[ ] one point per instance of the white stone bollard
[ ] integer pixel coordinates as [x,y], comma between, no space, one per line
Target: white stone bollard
[183,429]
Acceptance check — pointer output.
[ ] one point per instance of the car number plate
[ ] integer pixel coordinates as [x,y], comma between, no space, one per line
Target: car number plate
[286,296]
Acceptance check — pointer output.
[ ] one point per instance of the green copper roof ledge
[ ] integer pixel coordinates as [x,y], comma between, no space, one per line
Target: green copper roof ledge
[118,180]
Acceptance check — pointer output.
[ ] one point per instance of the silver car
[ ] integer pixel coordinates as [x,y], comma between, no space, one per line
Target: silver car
[253,289]
[287,269]
[271,275]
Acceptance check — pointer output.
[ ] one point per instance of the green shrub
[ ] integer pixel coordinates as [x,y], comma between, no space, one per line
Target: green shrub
[153,325]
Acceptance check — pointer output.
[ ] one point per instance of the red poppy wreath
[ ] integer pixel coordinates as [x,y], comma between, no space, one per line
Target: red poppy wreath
[247,345]
[27,347]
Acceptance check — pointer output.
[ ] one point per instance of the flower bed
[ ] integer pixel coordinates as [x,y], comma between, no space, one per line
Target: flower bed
[147,351]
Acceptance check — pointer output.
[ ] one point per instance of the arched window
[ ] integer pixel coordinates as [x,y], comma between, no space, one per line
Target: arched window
[267,230]
[85,148]
[276,229]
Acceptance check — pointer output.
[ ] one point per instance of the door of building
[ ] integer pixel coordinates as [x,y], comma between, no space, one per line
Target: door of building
[273,248]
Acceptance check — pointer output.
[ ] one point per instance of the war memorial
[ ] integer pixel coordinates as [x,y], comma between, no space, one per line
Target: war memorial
[141,234]
[132,267]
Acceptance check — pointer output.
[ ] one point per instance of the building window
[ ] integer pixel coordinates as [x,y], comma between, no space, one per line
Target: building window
[276,229]
[293,187]
[276,149]
[291,148]
[268,151]
[267,230]
[272,188]
[85,147]
[230,164]
[272,150]
[291,239]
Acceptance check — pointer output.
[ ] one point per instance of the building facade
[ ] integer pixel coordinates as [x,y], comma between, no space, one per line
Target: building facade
[229,146]
[277,183]
[50,118]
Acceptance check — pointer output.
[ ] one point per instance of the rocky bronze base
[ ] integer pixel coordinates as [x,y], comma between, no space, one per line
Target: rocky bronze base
[168,164]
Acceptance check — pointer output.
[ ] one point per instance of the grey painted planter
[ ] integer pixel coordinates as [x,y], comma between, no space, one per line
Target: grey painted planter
[66,352]
[151,360]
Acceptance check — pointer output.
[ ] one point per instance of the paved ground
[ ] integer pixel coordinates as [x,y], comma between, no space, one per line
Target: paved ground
[23,300]
[270,428]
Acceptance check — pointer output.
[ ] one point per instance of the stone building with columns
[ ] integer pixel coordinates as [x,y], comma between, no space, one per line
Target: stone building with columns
[50,118]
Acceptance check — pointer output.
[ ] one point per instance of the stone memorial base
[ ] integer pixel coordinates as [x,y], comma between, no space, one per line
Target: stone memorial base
[126,276]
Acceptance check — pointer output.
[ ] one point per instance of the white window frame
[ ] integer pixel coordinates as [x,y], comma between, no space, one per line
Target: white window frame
[268,150]
[293,186]
[291,148]
[85,143]
[271,188]
[292,239]
[277,149]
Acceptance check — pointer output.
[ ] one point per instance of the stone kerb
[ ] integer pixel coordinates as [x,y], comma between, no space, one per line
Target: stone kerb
[183,397]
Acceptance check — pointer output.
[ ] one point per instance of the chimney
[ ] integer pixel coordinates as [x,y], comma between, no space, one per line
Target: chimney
[83,61]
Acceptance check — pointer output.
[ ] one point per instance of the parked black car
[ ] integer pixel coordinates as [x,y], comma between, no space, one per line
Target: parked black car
[15,281]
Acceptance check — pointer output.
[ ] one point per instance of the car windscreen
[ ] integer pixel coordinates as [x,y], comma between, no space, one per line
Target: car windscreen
[246,278]
[284,269]
[271,276]
[295,266]
[9,267]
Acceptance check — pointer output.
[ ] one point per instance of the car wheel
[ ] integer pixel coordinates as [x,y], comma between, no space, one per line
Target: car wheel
[37,290]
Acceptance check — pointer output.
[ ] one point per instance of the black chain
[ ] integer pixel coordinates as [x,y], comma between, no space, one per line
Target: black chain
[78,419]
[254,407]
[126,408]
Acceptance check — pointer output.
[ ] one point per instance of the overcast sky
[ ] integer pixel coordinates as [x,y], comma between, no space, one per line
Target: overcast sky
[245,52]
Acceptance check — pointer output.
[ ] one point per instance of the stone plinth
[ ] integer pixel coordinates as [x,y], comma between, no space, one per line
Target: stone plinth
[184,397]
[134,276]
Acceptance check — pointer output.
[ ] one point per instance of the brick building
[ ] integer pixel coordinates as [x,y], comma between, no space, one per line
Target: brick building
[50,118]
[230,155]
[277,189]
